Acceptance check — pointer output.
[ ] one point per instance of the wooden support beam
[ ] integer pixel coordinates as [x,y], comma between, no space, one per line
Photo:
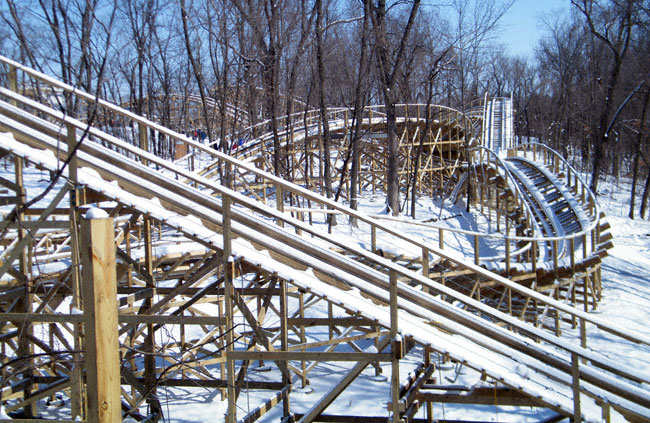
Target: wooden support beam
[409,397]
[334,321]
[100,304]
[284,345]
[279,356]
[349,339]
[149,341]
[575,373]
[396,347]
[261,336]
[268,405]
[57,386]
[228,271]
[479,396]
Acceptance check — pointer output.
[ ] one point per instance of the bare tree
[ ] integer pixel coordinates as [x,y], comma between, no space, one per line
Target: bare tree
[263,20]
[637,153]
[387,66]
[476,22]
[321,100]
[197,69]
[357,113]
[611,26]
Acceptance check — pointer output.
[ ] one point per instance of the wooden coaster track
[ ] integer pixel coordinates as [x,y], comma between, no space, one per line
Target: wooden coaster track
[222,266]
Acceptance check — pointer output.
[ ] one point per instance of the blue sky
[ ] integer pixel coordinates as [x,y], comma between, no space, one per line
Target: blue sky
[521,26]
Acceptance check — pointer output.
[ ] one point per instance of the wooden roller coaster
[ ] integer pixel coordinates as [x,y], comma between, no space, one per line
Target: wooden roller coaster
[133,275]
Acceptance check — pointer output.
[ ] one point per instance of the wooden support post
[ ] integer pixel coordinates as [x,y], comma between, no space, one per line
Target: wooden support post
[585,291]
[100,315]
[230,338]
[284,345]
[394,329]
[441,240]
[599,277]
[606,413]
[507,256]
[572,244]
[143,139]
[71,140]
[279,201]
[77,405]
[303,339]
[13,81]
[226,202]
[373,238]
[376,364]
[150,378]
[510,311]
[534,267]
[221,344]
[477,255]
[575,372]
[425,266]
[24,304]
[583,335]
[300,216]
[229,294]
[498,213]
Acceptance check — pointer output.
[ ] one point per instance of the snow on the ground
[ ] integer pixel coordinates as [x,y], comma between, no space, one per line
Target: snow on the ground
[625,278]
[626,303]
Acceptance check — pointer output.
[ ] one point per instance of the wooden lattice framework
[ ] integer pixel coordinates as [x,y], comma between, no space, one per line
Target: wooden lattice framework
[176,270]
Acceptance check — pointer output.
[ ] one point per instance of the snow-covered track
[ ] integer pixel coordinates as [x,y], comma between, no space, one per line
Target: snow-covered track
[558,215]
[471,272]
[475,341]
[549,372]
[498,132]
[555,207]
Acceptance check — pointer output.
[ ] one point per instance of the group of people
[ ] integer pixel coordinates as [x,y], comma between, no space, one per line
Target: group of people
[200,135]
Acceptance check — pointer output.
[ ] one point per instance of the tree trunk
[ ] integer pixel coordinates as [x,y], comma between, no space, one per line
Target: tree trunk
[331,219]
[357,115]
[418,155]
[637,154]
[392,194]
[198,73]
[321,100]
[644,200]
[617,43]
[388,65]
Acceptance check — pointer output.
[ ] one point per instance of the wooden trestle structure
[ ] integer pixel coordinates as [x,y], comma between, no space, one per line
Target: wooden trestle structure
[188,282]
